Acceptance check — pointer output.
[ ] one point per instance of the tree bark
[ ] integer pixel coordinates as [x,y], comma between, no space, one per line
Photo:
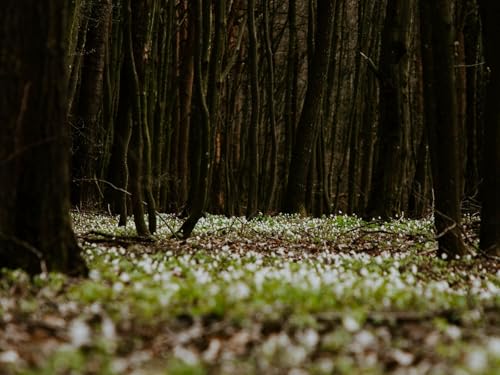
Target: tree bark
[253,178]
[442,122]
[200,146]
[307,127]
[35,226]
[389,177]
[136,146]
[88,139]
[490,192]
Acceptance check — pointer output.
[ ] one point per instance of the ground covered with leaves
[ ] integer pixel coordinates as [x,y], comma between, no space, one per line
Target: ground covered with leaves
[275,295]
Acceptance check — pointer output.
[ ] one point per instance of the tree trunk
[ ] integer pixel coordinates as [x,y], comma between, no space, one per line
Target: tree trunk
[270,88]
[307,128]
[88,139]
[186,80]
[136,146]
[35,226]
[253,178]
[442,122]
[291,86]
[490,192]
[200,145]
[389,178]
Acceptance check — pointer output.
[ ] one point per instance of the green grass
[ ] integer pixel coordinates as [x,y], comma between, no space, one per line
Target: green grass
[275,295]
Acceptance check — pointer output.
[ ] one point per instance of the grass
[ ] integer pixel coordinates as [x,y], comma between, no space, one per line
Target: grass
[276,295]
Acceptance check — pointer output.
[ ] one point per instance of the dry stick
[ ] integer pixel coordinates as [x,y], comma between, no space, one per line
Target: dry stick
[170,228]
[96,180]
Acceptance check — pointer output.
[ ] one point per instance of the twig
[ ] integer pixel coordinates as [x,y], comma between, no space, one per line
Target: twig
[174,232]
[96,180]
[372,65]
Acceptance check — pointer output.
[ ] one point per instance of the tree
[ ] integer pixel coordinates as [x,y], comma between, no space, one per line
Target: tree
[35,227]
[88,133]
[253,178]
[200,144]
[490,193]
[441,120]
[390,172]
[307,127]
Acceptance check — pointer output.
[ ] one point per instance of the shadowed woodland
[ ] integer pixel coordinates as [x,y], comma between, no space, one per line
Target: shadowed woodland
[250,187]
[374,108]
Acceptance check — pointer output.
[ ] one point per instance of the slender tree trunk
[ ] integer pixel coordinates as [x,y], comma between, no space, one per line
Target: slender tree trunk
[214,94]
[307,128]
[442,122]
[253,178]
[201,137]
[136,146]
[186,81]
[270,88]
[88,136]
[291,93]
[389,178]
[35,226]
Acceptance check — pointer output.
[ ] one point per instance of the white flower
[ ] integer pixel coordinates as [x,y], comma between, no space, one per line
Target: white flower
[403,358]
[118,287]
[210,355]
[414,269]
[477,360]
[364,339]
[494,346]
[186,355]
[9,356]
[239,290]
[308,338]
[108,329]
[453,332]
[79,333]
[350,324]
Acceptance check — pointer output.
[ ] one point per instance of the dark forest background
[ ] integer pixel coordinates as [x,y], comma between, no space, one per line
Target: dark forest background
[377,108]
[329,94]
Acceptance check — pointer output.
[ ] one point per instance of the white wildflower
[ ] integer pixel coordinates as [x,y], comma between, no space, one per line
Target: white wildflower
[79,333]
[108,329]
[363,340]
[9,356]
[308,338]
[453,332]
[187,356]
[494,346]
[477,360]
[402,358]
[239,290]
[118,287]
[350,324]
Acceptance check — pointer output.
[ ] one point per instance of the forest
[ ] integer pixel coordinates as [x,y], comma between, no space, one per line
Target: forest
[310,147]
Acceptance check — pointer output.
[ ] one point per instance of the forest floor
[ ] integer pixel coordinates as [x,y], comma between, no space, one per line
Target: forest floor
[275,295]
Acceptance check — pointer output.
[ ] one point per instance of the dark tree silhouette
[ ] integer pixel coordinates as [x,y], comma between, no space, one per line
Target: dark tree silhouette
[200,130]
[490,213]
[442,122]
[35,227]
[307,128]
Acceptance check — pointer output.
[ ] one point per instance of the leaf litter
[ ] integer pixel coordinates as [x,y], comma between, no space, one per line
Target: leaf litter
[274,295]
